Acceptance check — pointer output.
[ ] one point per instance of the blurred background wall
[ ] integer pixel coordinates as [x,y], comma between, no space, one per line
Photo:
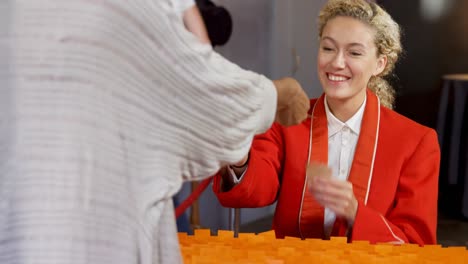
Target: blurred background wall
[435,39]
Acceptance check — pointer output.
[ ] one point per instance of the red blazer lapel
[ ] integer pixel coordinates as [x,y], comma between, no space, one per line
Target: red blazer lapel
[311,212]
[363,162]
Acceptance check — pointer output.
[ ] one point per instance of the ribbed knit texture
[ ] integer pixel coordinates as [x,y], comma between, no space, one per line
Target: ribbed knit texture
[106,106]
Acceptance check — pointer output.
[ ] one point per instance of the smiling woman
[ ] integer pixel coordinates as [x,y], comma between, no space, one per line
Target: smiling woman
[382,176]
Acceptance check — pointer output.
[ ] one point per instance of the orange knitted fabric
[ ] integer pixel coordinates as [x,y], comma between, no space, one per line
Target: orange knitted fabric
[265,248]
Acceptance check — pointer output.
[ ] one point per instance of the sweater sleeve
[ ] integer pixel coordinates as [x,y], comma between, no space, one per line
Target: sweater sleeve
[413,219]
[260,184]
[215,106]
[181,5]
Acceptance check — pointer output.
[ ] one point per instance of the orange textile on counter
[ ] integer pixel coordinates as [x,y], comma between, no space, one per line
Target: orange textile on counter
[265,248]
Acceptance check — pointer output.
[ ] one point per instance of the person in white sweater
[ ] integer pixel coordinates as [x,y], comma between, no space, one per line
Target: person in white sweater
[106,107]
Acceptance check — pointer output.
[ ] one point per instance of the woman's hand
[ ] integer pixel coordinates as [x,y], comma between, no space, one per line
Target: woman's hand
[242,162]
[337,195]
[241,166]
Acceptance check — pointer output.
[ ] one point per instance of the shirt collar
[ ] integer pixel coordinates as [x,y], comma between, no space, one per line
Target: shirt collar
[354,123]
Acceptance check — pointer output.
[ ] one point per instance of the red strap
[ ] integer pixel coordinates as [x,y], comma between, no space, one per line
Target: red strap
[193,197]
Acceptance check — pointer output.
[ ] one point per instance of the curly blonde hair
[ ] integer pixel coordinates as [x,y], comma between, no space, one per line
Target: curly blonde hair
[386,39]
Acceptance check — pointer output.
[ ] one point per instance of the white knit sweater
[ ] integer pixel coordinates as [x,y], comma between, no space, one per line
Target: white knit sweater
[106,106]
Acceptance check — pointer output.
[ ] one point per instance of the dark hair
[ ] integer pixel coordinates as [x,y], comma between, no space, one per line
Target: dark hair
[217,20]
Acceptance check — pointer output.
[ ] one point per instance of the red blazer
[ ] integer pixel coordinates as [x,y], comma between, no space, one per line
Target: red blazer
[401,202]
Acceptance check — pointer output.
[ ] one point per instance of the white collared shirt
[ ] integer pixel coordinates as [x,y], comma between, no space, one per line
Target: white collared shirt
[342,140]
